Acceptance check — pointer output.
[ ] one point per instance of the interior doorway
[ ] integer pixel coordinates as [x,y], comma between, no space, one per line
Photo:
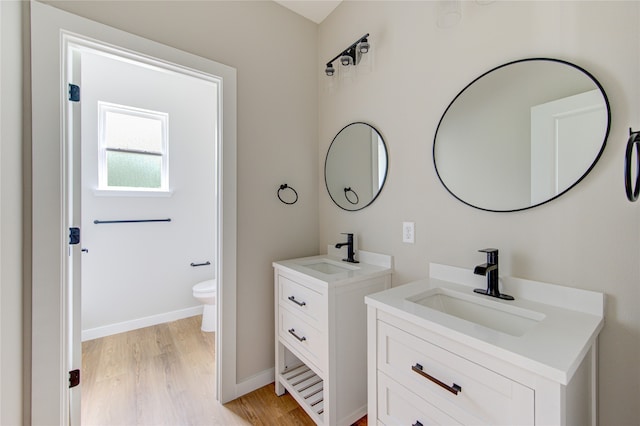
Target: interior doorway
[148,206]
[148,192]
[56,334]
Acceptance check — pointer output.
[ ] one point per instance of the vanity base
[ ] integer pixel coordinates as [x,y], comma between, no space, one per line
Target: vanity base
[429,364]
[321,334]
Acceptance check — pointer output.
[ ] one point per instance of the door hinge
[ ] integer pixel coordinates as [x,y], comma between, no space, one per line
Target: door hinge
[74,93]
[74,378]
[74,236]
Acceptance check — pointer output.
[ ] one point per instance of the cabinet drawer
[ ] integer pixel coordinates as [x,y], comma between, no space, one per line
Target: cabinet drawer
[302,299]
[398,406]
[301,336]
[483,397]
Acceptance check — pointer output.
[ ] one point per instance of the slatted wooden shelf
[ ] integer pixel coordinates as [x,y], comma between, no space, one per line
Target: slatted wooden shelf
[307,388]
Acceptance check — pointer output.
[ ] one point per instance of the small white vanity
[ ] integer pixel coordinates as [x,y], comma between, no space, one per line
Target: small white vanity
[441,354]
[321,332]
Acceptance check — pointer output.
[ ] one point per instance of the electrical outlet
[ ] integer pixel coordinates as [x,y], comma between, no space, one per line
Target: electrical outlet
[409,232]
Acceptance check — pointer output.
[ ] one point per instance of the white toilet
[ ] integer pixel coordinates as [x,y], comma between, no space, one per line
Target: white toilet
[205,292]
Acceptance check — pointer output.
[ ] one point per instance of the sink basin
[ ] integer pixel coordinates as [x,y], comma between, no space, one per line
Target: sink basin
[328,266]
[479,310]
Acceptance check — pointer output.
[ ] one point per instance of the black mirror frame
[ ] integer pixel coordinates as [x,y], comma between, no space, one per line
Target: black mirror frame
[604,142]
[386,172]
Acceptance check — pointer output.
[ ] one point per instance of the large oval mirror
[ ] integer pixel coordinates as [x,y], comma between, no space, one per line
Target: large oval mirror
[356,166]
[521,134]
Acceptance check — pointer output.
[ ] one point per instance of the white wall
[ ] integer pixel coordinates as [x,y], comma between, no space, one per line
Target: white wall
[274,52]
[11,327]
[135,271]
[587,238]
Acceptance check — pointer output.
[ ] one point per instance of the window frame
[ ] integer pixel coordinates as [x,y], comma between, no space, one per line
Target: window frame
[103,187]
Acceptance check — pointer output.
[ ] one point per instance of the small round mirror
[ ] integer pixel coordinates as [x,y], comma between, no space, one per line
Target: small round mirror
[521,134]
[356,166]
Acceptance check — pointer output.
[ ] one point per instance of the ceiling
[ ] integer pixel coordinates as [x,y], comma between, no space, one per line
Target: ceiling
[314,10]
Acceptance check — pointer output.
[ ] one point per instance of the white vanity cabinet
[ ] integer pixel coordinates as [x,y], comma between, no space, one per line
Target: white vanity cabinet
[428,366]
[466,393]
[321,333]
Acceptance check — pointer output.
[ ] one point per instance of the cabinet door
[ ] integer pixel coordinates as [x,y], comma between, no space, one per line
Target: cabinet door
[461,388]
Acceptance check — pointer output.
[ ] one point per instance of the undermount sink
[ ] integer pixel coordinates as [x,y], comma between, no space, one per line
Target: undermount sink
[328,266]
[498,316]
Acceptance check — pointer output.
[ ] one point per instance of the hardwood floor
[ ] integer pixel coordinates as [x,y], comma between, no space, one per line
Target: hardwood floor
[164,375]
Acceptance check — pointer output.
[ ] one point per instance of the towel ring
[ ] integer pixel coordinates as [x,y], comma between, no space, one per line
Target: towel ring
[633,191]
[346,195]
[283,187]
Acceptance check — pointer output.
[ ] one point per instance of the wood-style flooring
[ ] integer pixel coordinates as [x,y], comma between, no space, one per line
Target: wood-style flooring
[164,375]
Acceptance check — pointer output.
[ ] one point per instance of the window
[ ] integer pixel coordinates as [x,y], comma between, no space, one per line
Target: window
[133,153]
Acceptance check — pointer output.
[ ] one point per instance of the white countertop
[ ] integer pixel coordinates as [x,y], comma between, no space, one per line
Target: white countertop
[553,347]
[370,265]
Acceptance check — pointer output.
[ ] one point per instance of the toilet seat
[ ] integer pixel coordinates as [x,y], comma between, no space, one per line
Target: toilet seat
[204,287]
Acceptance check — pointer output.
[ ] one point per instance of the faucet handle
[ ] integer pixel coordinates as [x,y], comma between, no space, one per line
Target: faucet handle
[492,254]
[489,250]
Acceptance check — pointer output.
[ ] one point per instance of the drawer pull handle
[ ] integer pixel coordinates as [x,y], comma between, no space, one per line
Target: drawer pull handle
[417,423]
[454,389]
[293,333]
[293,299]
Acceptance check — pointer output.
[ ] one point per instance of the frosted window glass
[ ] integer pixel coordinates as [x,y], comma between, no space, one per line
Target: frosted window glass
[133,148]
[132,132]
[134,170]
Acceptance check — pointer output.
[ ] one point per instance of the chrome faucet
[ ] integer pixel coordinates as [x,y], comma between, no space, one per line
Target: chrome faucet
[349,245]
[490,269]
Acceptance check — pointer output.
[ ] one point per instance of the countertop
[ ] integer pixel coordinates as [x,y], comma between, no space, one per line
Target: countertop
[371,265]
[553,348]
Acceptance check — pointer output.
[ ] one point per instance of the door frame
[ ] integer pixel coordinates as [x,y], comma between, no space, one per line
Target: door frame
[51,204]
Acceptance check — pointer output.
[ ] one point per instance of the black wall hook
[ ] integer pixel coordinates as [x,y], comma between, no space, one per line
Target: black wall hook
[283,187]
[633,191]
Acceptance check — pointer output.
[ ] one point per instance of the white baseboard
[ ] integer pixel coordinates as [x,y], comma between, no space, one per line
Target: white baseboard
[255,382]
[121,327]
